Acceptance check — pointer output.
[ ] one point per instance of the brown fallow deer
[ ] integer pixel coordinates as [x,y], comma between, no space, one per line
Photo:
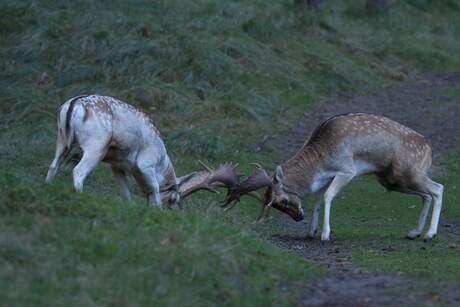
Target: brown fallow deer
[338,150]
[107,129]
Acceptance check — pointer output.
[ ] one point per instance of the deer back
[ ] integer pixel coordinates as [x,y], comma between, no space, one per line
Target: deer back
[371,143]
[134,140]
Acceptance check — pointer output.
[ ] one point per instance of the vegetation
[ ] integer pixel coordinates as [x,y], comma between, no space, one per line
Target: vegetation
[217,76]
[379,245]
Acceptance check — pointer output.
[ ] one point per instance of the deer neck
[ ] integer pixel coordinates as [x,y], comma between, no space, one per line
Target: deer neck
[300,171]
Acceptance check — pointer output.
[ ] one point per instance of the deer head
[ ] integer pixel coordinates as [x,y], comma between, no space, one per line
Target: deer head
[275,194]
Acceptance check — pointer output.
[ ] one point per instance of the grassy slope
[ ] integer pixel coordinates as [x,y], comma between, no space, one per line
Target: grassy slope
[216,76]
[61,248]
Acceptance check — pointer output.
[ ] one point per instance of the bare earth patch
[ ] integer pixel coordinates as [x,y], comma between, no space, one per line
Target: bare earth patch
[367,290]
[419,104]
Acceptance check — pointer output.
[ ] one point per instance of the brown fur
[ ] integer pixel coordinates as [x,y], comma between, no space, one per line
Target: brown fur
[340,149]
[397,151]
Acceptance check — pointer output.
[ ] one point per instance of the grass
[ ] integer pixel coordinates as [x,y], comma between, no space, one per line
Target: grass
[378,230]
[216,76]
[63,248]
[374,222]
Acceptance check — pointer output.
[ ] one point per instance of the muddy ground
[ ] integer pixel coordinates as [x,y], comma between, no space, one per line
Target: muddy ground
[419,104]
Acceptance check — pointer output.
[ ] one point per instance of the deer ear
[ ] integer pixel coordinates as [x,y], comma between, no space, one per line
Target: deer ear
[279,175]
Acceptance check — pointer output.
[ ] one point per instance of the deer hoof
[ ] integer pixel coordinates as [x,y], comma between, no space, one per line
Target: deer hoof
[413,234]
[428,238]
[311,235]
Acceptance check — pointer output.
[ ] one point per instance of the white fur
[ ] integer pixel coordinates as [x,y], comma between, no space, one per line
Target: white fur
[108,129]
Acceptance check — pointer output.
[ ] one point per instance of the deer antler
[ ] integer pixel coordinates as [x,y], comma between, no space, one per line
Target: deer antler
[208,179]
[258,179]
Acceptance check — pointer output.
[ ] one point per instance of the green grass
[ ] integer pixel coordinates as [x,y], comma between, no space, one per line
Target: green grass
[217,76]
[384,221]
[60,248]
[376,223]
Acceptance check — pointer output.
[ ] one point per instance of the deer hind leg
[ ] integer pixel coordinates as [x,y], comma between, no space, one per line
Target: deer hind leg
[339,181]
[315,214]
[391,184]
[120,178]
[92,155]
[61,152]
[436,190]
[431,192]
[415,233]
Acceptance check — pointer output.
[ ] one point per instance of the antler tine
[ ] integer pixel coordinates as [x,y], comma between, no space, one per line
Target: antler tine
[205,166]
[256,196]
[263,214]
[230,205]
[226,174]
[209,179]
[258,179]
[257,165]
[235,166]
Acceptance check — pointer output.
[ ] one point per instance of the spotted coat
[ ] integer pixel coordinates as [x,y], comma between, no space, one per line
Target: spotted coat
[110,130]
[351,145]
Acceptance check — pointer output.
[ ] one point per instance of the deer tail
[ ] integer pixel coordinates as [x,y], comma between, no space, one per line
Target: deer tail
[68,132]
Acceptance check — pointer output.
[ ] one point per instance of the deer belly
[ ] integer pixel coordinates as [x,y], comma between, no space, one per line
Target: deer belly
[364,167]
[119,158]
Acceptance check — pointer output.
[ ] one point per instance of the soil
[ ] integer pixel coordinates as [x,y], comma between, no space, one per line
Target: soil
[418,104]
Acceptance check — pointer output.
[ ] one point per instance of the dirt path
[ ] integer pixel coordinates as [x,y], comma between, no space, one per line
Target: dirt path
[418,104]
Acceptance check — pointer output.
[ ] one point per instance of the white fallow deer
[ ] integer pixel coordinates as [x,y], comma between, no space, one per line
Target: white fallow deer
[338,150]
[107,129]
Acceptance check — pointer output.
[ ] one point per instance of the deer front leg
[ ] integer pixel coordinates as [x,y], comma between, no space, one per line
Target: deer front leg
[339,181]
[315,214]
[120,178]
[153,187]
